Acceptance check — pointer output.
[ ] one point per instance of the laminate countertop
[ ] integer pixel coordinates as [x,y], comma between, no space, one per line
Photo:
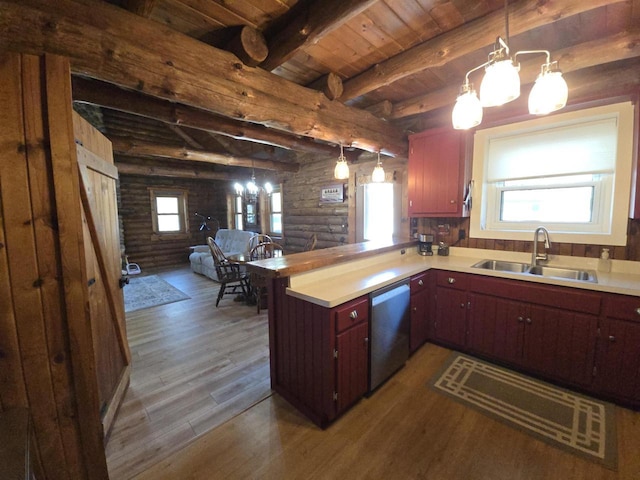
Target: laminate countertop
[336,284]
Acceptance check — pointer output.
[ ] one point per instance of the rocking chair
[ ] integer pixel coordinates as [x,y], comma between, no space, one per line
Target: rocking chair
[229,274]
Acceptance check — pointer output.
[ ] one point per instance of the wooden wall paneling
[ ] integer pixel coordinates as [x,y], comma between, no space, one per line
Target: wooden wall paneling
[12,388]
[25,280]
[70,231]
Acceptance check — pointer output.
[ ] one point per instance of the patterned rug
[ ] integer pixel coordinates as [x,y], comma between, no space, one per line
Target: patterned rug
[149,291]
[573,422]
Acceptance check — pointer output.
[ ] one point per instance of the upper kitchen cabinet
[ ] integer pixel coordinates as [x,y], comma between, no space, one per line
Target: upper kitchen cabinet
[439,172]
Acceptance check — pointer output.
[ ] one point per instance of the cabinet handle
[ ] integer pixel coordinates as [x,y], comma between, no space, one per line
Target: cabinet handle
[353,314]
[612,338]
[520,319]
[451,280]
[528,320]
[421,283]
[638,310]
[366,340]
[415,309]
[452,201]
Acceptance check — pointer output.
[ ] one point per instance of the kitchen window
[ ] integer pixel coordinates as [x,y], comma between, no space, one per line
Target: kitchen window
[168,209]
[275,212]
[569,172]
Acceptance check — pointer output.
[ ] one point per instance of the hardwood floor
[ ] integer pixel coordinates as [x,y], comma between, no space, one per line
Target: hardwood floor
[404,431]
[194,366]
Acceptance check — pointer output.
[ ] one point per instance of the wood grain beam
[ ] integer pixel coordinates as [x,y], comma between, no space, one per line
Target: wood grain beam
[621,46]
[523,16]
[129,148]
[125,168]
[111,44]
[140,7]
[316,20]
[106,95]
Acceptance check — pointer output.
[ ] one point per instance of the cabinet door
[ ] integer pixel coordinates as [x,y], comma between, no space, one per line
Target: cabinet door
[352,365]
[419,319]
[451,316]
[483,317]
[436,173]
[618,363]
[508,330]
[560,344]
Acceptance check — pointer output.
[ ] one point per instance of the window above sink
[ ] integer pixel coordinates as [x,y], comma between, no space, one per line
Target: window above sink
[570,172]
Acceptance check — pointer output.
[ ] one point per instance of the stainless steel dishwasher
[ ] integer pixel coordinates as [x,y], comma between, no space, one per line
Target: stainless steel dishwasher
[389,332]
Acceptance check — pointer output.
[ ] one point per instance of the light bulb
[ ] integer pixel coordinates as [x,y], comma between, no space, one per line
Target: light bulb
[378,174]
[501,84]
[467,112]
[341,172]
[549,93]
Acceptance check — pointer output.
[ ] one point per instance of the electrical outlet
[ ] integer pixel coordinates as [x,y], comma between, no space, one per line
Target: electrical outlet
[462,234]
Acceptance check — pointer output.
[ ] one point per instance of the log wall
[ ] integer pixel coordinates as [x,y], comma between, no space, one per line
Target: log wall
[207,197]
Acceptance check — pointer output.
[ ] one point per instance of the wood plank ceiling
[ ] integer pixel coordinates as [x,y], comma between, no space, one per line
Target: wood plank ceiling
[401,63]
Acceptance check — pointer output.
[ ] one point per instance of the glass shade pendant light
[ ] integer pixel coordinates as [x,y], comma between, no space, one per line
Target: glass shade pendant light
[341,172]
[549,93]
[467,112]
[501,83]
[378,172]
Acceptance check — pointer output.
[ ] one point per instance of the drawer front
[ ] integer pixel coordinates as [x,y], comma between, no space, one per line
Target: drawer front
[452,280]
[351,314]
[623,307]
[419,282]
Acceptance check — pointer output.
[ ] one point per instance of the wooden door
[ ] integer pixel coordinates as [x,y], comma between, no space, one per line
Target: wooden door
[618,364]
[352,372]
[451,316]
[419,319]
[482,324]
[509,330]
[98,176]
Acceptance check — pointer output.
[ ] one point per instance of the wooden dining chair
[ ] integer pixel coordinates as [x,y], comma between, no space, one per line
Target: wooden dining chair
[258,282]
[258,238]
[231,279]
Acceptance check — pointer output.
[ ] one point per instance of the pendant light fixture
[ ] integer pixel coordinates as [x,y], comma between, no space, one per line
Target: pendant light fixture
[501,84]
[341,172]
[378,172]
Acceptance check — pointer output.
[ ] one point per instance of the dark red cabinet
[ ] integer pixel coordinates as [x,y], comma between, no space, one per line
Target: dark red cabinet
[420,310]
[450,325]
[618,357]
[352,365]
[438,173]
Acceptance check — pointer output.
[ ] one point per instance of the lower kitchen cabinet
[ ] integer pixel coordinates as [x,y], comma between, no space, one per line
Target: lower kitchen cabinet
[420,310]
[450,326]
[352,357]
[618,357]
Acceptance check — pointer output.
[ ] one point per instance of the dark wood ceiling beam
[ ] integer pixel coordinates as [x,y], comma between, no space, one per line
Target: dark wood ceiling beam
[106,95]
[125,168]
[604,50]
[186,137]
[523,16]
[111,44]
[317,19]
[140,7]
[129,148]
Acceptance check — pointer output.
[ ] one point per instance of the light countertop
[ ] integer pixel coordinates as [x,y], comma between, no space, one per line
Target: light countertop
[336,284]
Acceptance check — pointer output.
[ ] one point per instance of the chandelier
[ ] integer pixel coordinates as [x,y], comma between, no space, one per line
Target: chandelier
[251,189]
[501,84]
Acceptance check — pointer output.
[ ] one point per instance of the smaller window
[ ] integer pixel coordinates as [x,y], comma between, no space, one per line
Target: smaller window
[169,211]
[275,216]
[237,213]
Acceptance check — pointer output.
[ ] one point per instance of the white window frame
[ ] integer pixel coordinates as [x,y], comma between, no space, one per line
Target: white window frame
[272,212]
[616,186]
[182,197]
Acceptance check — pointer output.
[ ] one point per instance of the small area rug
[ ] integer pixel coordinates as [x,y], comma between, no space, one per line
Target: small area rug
[149,291]
[559,417]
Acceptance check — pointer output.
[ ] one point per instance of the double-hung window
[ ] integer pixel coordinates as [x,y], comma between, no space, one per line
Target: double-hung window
[169,211]
[570,173]
[275,212]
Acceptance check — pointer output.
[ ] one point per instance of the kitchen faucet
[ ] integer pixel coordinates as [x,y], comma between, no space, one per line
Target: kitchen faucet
[540,257]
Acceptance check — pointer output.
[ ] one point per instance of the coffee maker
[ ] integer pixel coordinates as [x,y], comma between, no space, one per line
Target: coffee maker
[425,242]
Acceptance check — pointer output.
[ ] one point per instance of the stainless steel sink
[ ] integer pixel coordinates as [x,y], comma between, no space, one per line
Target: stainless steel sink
[502,266]
[540,270]
[568,273]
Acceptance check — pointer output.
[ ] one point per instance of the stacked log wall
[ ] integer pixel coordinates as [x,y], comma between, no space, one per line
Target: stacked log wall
[206,197]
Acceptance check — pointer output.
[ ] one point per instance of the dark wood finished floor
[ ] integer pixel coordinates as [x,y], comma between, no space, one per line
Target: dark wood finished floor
[404,431]
[194,366]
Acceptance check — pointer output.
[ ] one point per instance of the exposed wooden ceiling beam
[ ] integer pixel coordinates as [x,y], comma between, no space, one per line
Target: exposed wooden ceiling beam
[523,16]
[140,7]
[130,148]
[106,95]
[172,172]
[603,50]
[186,137]
[111,44]
[317,19]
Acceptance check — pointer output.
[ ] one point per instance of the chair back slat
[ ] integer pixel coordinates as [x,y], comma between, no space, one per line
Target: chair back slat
[266,250]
